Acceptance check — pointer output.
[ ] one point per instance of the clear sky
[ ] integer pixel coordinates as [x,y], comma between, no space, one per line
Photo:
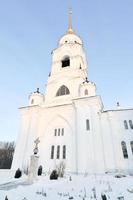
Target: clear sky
[30,29]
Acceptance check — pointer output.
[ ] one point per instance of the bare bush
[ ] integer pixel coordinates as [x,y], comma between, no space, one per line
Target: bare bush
[61,168]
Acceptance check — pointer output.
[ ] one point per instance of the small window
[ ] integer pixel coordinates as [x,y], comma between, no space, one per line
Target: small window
[63,90]
[58,152]
[86,92]
[131,124]
[62,132]
[87,125]
[52,152]
[125,124]
[124,149]
[58,131]
[131,143]
[64,151]
[66,62]
[55,132]
[32,101]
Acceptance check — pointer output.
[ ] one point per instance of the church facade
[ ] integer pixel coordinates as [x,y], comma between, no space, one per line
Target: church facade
[70,121]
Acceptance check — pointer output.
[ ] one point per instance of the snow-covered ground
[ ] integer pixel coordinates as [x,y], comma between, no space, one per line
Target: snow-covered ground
[79,188]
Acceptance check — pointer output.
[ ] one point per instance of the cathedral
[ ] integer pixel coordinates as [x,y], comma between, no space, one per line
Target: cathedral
[70,121]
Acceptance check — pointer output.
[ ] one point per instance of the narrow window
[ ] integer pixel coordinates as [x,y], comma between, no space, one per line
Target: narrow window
[131,143]
[58,152]
[55,132]
[131,124]
[64,151]
[52,152]
[124,149]
[62,132]
[32,101]
[87,125]
[66,62]
[58,131]
[125,124]
[86,92]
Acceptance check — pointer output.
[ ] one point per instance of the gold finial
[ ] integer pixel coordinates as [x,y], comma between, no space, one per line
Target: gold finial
[70,30]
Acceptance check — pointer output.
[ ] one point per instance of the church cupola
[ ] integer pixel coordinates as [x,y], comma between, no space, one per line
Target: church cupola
[36,98]
[70,37]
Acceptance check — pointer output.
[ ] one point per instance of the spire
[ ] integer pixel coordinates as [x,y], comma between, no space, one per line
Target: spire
[70,30]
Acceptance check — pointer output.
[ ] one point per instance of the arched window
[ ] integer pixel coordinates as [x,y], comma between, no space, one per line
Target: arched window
[125,124]
[32,101]
[124,149]
[87,124]
[58,131]
[63,90]
[62,133]
[64,151]
[40,170]
[131,143]
[58,152]
[55,132]
[66,62]
[86,92]
[52,152]
[131,124]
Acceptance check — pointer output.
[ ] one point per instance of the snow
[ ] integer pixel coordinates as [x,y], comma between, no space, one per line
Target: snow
[79,188]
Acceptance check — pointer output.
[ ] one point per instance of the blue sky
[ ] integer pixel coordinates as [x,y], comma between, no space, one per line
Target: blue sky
[30,29]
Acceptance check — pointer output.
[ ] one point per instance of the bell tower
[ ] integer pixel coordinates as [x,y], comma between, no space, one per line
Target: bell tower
[69,66]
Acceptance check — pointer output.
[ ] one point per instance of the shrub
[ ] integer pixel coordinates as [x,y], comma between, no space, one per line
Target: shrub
[18,173]
[54,175]
[40,170]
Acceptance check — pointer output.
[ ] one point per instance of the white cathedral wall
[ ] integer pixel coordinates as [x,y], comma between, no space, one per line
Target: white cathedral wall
[108,143]
[89,143]
[25,142]
[53,118]
[113,134]
[121,134]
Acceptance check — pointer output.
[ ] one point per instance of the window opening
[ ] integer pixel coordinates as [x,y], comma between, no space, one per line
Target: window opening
[63,90]
[58,152]
[52,152]
[64,151]
[87,125]
[124,149]
[58,131]
[65,62]
[125,124]
[131,143]
[86,92]
[131,124]
[32,101]
[62,131]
